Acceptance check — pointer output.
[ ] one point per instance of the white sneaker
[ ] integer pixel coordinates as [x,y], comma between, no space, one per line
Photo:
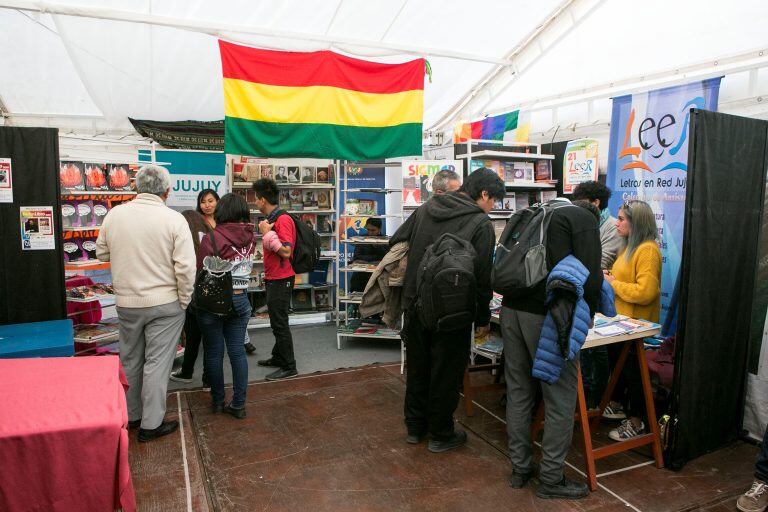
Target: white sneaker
[627,430]
[755,499]
[615,412]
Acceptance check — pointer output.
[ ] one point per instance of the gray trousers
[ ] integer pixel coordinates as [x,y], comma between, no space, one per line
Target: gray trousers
[521,332]
[148,339]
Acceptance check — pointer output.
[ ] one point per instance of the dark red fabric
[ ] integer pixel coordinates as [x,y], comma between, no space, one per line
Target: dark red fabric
[89,312]
[275,266]
[234,241]
[63,435]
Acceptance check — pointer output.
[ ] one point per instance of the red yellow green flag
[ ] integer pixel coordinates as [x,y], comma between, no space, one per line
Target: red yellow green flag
[320,105]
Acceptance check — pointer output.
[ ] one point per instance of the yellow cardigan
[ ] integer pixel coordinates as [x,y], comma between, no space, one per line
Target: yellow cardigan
[638,282]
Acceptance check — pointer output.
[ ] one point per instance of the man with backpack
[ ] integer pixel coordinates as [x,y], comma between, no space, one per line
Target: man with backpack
[279,242]
[447,289]
[546,234]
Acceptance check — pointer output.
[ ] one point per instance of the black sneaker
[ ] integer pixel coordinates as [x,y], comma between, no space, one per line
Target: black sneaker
[566,489]
[180,377]
[250,348]
[415,437]
[237,413]
[268,362]
[217,408]
[458,438]
[165,428]
[519,480]
[282,374]
[134,424]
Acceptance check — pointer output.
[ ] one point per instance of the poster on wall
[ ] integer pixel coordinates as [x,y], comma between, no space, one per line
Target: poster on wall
[648,161]
[191,172]
[37,228]
[6,181]
[418,175]
[579,163]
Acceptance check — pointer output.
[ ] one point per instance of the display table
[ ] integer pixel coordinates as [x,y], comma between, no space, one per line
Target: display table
[54,338]
[63,435]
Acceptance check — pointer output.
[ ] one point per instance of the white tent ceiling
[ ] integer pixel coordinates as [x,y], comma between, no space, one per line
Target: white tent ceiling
[88,74]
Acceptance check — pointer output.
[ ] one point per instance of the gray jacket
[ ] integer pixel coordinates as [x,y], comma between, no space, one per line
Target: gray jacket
[383,293]
[611,243]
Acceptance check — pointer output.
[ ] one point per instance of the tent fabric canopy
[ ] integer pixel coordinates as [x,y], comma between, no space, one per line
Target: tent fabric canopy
[66,66]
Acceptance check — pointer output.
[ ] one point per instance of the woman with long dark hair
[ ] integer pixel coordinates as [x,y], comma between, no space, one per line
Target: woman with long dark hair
[235,242]
[207,200]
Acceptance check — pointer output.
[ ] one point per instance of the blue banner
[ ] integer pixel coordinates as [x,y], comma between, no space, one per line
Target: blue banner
[648,160]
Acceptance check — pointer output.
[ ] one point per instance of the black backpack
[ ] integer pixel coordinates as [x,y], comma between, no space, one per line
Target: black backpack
[213,289]
[306,251]
[521,255]
[446,285]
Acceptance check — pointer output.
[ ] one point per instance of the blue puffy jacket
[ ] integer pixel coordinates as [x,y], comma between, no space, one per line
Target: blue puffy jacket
[548,361]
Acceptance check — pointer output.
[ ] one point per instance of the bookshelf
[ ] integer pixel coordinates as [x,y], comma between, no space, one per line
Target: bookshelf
[308,188]
[356,211]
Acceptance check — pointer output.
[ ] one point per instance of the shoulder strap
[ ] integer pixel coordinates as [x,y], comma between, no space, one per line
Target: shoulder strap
[213,243]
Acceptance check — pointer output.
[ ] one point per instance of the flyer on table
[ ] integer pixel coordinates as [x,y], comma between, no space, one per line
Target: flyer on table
[6,181]
[37,231]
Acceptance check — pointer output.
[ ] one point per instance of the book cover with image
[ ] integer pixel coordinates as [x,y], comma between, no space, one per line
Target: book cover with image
[238,172]
[100,210]
[543,170]
[72,250]
[85,213]
[308,174]
[367,207]
[509,202]
[323,174]
[285,199]
[71,176]
[297,199]
[310,200]
[281,174]
[119,177]
[293,174]
[323,199]
[95,177]
[324,224]
[266,171]
[322,299]
[69,216]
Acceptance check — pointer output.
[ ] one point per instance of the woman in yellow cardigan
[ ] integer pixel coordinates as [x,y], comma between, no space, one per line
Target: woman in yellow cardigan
[636,281]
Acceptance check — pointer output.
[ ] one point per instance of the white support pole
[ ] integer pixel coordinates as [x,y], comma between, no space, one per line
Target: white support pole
[225,30]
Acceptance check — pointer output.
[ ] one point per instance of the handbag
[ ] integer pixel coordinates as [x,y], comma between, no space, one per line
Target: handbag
[213,284]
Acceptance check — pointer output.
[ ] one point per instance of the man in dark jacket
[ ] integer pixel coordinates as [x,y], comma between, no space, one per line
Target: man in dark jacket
[436,360]
[572,230]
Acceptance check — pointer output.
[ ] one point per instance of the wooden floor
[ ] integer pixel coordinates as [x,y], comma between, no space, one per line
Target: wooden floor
[335,442]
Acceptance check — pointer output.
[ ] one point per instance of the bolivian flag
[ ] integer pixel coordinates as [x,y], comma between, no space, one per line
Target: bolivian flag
[320,104]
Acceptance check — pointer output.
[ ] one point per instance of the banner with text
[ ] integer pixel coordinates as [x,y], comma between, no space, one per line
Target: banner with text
[648,160]
[418,175]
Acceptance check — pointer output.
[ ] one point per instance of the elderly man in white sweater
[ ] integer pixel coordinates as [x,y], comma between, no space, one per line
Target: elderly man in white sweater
[153,273]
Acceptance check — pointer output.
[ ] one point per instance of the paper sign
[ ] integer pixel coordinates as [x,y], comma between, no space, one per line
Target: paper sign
[579,164]
[6,181]
[417,178]
[37,232]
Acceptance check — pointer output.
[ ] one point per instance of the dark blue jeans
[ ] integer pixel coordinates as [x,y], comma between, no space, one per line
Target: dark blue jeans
[230,331]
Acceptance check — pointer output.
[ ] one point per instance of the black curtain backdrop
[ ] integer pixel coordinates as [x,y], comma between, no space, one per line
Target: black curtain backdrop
[723,209]
[31,282]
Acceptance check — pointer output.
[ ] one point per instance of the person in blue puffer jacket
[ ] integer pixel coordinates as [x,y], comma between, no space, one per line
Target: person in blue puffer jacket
[567,324]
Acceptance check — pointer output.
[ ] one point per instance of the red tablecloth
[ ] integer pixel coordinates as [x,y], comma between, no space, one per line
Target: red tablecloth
[63,435]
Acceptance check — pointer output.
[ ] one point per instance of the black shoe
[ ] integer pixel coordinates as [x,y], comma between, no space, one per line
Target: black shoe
[268,362]
[134,424]
[566,489]
[165,428]
[237,413]
[282,374]
[180,377]
[415,437]
[519,480]
[217,408]
[250,348]
[458,438]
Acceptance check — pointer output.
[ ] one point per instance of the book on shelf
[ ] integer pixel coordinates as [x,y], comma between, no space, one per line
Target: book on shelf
[548,195]
[119,177]
[285,199]
[309,199]
[310,219]
[293,174]
[367,207]
[322,299]
[523,172]
[72,175]
[323,199]
[266,171]
[308,174]
[361,267]
[324,224]
[281,174]
[297,199]
[301,299]
[95,177]
[543,170]
[369,239]
[94,332]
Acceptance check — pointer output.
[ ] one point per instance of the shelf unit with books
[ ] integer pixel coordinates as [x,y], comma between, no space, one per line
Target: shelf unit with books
[354,212]
[307,191]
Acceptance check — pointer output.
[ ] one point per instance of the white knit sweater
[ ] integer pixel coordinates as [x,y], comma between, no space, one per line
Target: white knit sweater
[151,251]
